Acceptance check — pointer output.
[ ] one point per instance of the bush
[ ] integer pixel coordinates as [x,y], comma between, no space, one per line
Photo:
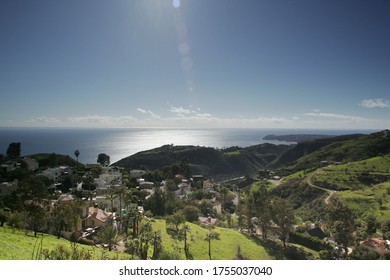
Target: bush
[308,241]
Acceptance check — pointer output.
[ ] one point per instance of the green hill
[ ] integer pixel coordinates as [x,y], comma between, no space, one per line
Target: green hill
[237,161]
[231,242]
[206,160]
[344,149]
[17,244]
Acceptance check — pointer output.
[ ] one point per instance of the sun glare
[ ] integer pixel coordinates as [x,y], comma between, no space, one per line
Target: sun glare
[176,3]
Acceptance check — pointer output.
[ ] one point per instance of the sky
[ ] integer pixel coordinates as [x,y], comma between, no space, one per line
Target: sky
[195,63]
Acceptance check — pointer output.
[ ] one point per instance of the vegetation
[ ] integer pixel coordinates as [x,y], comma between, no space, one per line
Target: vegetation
[17,244]
[339,183]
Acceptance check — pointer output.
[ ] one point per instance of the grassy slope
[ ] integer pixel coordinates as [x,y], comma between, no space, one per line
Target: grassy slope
[363,185]
[16,244]
[223,249]
[356,175]
[346,148]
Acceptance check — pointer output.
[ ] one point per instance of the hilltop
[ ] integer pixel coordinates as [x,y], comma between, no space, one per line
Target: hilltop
[237,161]
[234,161]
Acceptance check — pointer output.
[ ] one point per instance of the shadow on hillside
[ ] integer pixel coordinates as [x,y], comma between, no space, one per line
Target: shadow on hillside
[272,247]
[275,249]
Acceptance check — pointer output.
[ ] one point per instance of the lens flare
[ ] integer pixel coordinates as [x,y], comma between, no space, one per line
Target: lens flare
[176,3]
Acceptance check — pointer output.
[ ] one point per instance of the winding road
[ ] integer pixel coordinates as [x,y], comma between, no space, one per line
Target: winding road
[309,180]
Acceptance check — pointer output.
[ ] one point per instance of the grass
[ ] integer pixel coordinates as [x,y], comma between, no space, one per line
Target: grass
[255,186]
[233,153]
[370,201]
[16,244]
[356,175]
[224,249]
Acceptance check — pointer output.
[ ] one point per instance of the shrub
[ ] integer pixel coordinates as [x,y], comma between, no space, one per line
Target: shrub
[308,241]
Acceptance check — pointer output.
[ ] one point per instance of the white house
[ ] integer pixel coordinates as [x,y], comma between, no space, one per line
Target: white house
[56,172]
[7,188]
[32,163]
[10,165]
[136,173]
[109,178]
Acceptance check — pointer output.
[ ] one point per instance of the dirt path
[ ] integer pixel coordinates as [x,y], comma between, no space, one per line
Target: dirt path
[309,181]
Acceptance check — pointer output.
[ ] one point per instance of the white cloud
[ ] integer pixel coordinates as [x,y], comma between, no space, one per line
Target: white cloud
[317,119]
[141,110]
[180,110]
[375,103]
[332,116]
[43,120]
[150,113]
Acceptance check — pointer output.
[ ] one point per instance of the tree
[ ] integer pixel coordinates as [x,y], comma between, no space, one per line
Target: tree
[283,216]
[14,150]
[109,235]
[212,235]
[341,222]
[77,153]
[64,216]
[103,159]
[260,206]
[170,185]
[36,215]
[145,237]
[176,219]
[3,217]
[191,213]
[184,230]
[372,224]
[157,241]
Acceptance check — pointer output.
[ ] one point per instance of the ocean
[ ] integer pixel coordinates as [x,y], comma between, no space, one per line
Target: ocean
[120,143]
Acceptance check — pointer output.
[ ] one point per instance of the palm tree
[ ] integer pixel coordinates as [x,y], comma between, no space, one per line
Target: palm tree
[109,236]
[186,229]
[157,240]
[77,153]
[212,235]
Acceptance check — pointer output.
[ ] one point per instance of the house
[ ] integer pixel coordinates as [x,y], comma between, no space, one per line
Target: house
[146,185]
[137,173]
[56,173]
[110,177]
[208,186]
[96,217]
[184,189]
[32,163]
[7,188]
[207,220]
[9,166]
[378,244]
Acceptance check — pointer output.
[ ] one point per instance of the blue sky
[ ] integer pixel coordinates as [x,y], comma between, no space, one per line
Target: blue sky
[195,63]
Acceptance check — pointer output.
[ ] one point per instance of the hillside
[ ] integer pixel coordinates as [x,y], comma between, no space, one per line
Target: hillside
[231,242]
[363,185]
[237,161]
[47,160]
[205,160]
[17,244]
[346,148]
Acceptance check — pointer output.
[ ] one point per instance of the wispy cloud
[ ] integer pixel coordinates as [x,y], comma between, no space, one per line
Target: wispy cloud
[317,118]
[46,120]
[150,113]
[317,113]
[375,103]
[102,120]
[181,110]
